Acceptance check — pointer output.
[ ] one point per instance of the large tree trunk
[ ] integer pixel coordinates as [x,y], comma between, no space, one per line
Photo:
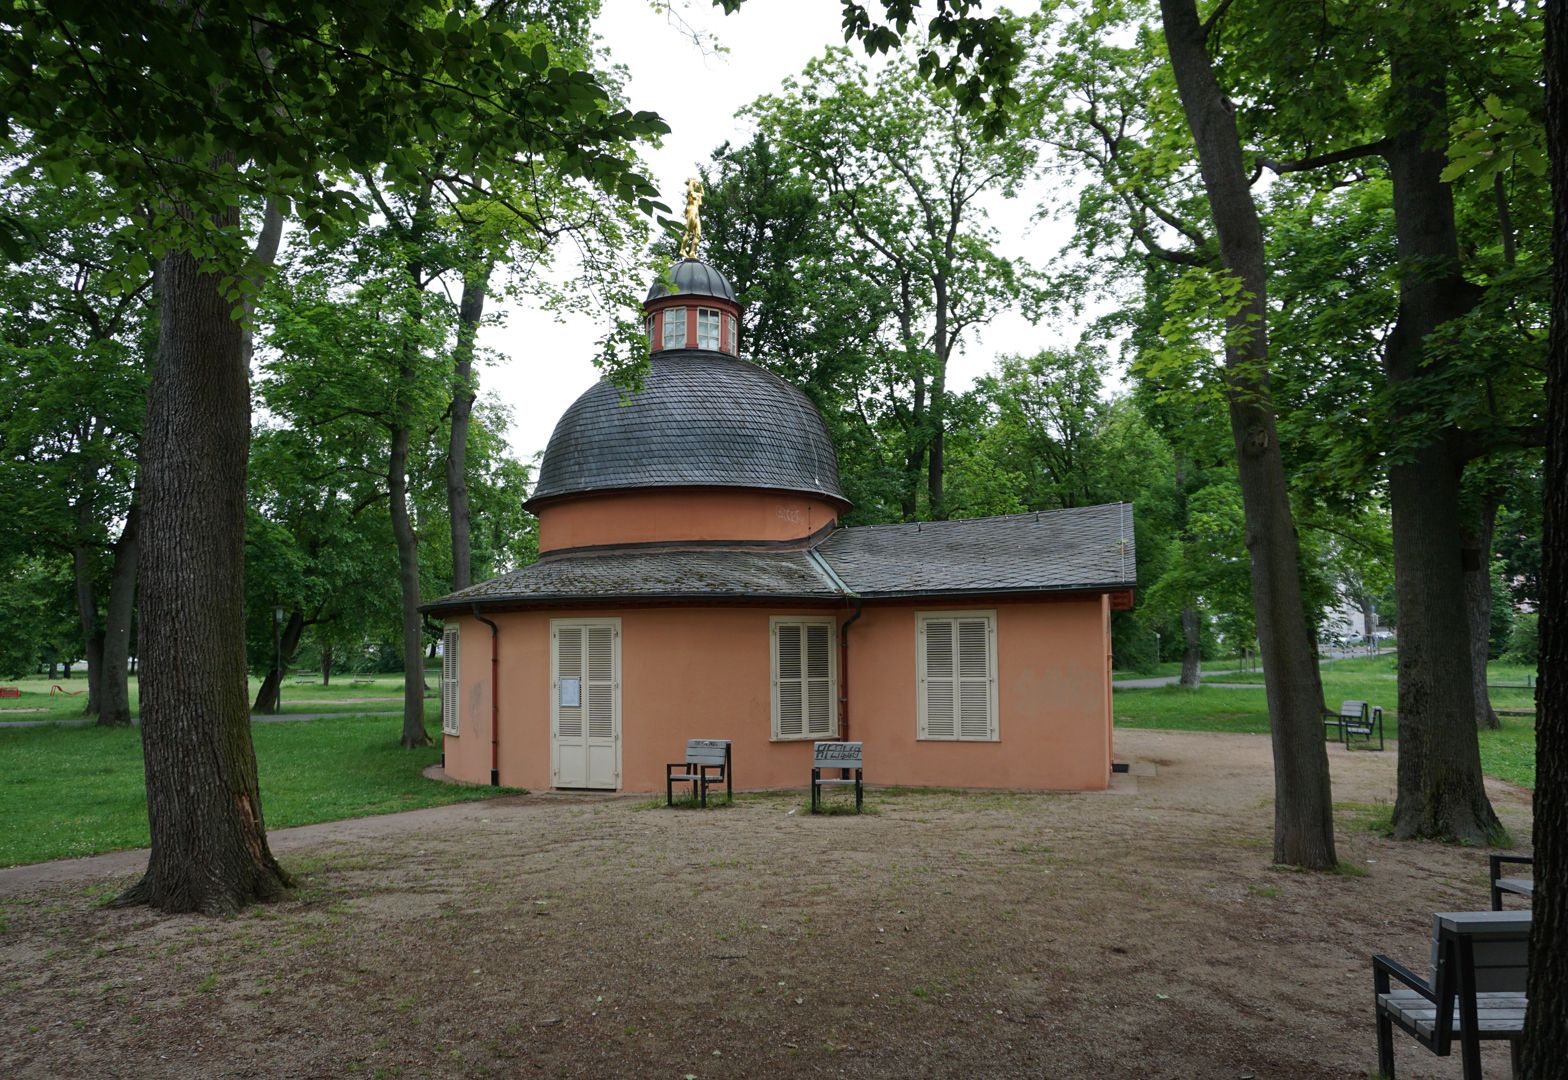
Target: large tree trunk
[1440,793]
[209,840]
[1303,804]
[469,313]
[1546,1023]
[267,696]
[1191,652]
[115,694]
[1476,536]
[87,612]
[414,733]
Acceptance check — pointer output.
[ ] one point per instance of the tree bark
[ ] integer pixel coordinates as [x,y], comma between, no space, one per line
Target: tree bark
[1546,1024]
[1191,652]
[1440,792]
[209,840]
[87,612]
[1476,536]
[267,696]
[326,665]
[1303,803]
[470,312]
[115,693]
[414,733]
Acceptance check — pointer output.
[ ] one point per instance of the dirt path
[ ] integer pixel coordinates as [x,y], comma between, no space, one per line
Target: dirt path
[1137,933]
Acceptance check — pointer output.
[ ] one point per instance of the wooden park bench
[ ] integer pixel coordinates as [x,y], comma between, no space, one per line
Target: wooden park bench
[10,691]
[701,756]
[363,680]
[1476,991]
[1356,718]
[844,756]
[1519,886]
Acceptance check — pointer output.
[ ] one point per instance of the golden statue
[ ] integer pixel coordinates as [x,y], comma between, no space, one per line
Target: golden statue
[688,248]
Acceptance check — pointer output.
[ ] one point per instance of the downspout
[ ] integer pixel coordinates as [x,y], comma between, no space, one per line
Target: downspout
[495,698]
[843,668]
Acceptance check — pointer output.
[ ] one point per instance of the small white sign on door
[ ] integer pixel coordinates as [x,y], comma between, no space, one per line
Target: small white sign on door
[571,693]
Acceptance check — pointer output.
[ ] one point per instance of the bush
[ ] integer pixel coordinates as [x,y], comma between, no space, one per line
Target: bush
[1524,641]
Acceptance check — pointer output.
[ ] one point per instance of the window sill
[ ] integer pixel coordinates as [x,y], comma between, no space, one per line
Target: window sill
[829,737]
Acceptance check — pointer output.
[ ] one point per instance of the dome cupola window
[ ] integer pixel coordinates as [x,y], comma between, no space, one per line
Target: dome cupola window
[707,328]
[674,328]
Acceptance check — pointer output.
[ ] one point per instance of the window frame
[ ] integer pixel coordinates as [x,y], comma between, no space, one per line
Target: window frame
[667,323]
[803,621]
[993,718]
[733,327]
[451,685]
[718,324]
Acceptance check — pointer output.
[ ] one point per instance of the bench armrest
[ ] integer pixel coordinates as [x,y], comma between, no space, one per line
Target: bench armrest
[1496,862]
[1384,967]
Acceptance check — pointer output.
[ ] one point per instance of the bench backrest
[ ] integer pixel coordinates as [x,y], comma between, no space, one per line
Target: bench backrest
[707,751]
[1355,709]
[1500,948]
[837,755]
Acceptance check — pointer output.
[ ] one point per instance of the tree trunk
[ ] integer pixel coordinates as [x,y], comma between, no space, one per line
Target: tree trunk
[1303,804]
[267,697]
[87,612]
[414,733]
[1476,536]
[1440,792]
[936,454]
[469,313]
[1546,1023]
[115,692]
[1191,652]
[326,665]
[209,839]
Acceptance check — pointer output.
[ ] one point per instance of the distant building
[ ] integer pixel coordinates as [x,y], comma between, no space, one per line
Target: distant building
[694,582]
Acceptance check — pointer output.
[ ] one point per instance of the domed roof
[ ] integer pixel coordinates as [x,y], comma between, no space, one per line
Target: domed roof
[692,277]
[701,419]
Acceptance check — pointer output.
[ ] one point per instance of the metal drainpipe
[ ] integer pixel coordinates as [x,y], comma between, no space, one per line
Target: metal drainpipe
[495,698]
[843,668]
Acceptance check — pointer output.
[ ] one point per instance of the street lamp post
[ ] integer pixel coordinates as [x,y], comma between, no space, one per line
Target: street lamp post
[277,659]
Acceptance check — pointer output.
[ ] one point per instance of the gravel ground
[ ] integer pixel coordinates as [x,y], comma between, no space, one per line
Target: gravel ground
[1138,933]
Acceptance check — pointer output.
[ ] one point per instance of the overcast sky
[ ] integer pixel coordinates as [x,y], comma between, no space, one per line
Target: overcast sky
[546,364]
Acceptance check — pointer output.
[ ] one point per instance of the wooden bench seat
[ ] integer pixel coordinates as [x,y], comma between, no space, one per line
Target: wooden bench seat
[1475,993]
[845,756]
[1519,886]
[707,763]
[1355,718]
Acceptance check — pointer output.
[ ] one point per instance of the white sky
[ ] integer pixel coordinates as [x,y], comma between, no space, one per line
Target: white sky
[546,364]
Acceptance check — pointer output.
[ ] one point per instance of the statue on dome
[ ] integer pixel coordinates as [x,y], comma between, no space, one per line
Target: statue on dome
[688,249]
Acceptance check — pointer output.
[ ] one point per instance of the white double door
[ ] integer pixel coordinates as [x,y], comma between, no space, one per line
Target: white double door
[585,703]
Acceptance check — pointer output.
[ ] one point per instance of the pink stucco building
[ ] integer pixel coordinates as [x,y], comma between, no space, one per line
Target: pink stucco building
[693,582]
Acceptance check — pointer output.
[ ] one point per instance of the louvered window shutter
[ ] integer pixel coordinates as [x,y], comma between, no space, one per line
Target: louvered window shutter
[449,684]
[599,686]
[937,680]
[789,682]
[974,679]
[819,679]
[569,665]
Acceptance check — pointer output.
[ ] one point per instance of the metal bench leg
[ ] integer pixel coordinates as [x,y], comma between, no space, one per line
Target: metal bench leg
[1515,1065]
[858,791]
[1385,1047]
[669,789]
[815,773]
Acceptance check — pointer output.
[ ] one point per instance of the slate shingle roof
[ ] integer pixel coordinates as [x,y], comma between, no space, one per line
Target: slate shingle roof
[1088,548]
[647,574]
[701,418]
[1085,547]
[692,277]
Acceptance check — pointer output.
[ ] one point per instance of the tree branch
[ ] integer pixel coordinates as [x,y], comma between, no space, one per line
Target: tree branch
[1350,153]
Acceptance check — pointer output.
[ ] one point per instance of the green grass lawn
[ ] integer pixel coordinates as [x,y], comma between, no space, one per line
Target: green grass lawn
[1508,753]
[79,790]
[301,694]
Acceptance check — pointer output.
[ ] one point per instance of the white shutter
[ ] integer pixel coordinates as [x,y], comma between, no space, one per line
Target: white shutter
[819,679]
[974,679]
[956,660]
[599,685]
[450,696]
[789,682]
[569,665]
[937,681]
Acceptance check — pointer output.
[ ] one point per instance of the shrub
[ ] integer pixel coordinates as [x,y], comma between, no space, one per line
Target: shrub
[1524,642]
